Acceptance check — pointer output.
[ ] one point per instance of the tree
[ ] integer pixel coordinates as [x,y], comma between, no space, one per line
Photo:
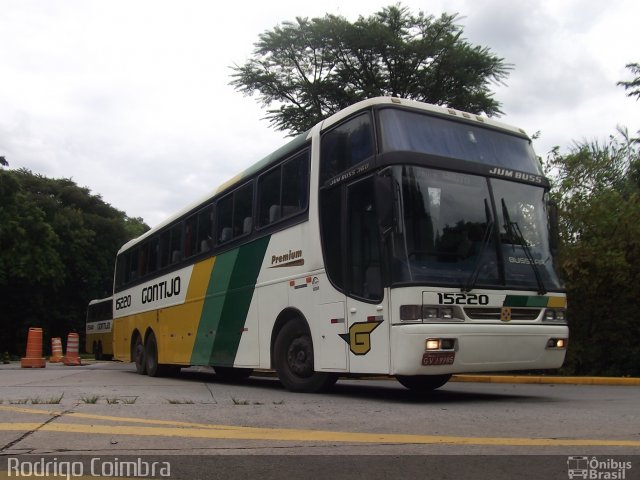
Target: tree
[598,192]
[633,85]
[57,249]
[312,68]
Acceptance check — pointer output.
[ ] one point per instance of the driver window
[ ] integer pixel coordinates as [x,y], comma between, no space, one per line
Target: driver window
[365,272]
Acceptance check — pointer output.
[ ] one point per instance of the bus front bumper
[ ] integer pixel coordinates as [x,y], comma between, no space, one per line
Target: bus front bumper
[434,349]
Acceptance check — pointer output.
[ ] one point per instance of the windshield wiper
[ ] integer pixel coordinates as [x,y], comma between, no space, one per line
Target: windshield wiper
[515,234]
[486,238]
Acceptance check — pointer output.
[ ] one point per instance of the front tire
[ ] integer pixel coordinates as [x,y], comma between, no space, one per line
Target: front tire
[423,383]
[293,358]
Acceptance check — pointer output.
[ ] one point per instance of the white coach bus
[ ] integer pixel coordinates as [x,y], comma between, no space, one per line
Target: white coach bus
[394,238]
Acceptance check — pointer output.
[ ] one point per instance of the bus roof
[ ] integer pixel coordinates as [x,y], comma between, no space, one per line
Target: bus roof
[100,300]
[299,141]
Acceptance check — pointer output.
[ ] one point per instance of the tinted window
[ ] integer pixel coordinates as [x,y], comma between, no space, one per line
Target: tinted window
[284,191]
[365,272]
[401,130]
[331,223]
[225,214]
[346,145]
[235,214]
[197,232]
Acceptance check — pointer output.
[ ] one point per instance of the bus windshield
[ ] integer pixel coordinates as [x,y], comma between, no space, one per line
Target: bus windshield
[402,130]
[470,231]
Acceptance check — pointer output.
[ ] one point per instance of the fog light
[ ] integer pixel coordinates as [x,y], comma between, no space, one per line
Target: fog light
[558,343]
[433,344]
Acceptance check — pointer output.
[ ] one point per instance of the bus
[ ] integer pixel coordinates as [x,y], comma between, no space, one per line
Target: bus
[393,238]
[99,336]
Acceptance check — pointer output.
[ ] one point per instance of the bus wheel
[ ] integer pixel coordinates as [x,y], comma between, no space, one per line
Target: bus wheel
[293,358]
[154,369]
[423,383]
[137,353]
[151,356]
[232,374]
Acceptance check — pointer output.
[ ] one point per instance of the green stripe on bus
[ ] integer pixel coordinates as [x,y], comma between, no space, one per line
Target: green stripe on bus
[238,299]
[213,305]
[525,301]
[226,304]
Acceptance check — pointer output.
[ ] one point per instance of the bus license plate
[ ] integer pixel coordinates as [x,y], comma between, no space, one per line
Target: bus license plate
[438,358]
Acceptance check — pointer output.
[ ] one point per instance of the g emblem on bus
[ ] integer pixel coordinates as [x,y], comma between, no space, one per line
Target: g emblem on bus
[359,336]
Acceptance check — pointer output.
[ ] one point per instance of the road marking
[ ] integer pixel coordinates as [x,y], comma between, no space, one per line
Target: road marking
[206,431]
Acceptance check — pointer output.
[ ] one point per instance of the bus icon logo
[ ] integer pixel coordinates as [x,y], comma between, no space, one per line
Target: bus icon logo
[578,467]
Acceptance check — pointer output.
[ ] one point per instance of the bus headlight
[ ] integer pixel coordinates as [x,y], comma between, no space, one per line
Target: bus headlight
[430,313]
[556,315]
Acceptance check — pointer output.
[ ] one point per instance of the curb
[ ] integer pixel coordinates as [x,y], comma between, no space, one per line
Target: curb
[525,379]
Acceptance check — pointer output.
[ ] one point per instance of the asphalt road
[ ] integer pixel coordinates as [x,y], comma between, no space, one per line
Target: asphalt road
[106,409]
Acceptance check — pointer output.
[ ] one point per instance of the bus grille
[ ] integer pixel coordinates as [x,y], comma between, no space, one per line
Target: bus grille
[495,313]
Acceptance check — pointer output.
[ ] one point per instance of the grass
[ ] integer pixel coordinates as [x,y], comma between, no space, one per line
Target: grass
[180,402]
[239,402]
[90,399]
[112,400]
[47,401]
[19,401]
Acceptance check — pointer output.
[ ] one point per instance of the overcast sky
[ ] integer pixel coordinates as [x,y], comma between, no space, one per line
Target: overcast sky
[131,98]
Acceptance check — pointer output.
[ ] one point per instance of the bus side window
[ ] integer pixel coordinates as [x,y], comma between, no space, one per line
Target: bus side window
[284,190]
[163,251]
[269,197]
[295,185]
[152,263]
[224,214]
[243,210]
[346,145]
[176,243]
[190,226]
[205,224]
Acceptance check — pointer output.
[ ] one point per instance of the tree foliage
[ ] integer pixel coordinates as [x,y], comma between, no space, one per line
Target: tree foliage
[632,85]
[57,250]
[310,69]
[597,186]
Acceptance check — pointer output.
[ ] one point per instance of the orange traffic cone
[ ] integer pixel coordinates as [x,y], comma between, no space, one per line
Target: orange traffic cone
[73,344]
[56,350]
[33,358]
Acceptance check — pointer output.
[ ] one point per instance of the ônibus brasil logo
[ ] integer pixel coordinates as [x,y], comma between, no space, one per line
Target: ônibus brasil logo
[597,469]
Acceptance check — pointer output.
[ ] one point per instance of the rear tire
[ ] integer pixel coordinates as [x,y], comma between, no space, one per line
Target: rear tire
[154,369]
[138,356]
[293,358]
[423,383]
[151,356]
